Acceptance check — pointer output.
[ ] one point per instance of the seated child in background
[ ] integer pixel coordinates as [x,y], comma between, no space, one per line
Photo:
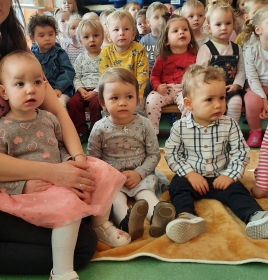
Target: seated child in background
[141,24]
[250,7]
[256,67]
[194,11]
[103,16]
[91,15]
[53,59]
[68,6]
[260,190]
[133,7]
[123,52]
[34,134]
[210,164]
[62,18]
[154,14]
[219,51]
[177,51]
[127,142]
[211,3]
[87,74]
[73,48]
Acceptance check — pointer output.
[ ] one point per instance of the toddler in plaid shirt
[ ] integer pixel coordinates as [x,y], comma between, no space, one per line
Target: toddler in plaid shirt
[208,153]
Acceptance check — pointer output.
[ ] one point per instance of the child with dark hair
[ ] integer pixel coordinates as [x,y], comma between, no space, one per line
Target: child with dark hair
[54,60]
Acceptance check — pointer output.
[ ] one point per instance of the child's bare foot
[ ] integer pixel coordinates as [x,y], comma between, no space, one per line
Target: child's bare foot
[258,193]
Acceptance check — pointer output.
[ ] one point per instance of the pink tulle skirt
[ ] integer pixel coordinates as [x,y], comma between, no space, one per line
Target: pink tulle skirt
[58,206]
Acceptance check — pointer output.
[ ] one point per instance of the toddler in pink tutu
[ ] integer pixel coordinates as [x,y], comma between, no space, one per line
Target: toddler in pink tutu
[27,132]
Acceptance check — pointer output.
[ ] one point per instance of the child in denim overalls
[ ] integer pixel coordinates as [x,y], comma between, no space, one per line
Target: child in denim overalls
[54,60]
[219,51]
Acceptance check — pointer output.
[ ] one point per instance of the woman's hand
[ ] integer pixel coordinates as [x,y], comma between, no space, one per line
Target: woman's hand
[75,176]
[33,186]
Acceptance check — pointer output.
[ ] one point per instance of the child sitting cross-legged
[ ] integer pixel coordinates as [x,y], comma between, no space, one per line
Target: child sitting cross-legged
[128,142]
[210,164]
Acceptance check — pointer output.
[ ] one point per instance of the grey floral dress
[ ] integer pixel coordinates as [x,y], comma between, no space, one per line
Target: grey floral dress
[127,147]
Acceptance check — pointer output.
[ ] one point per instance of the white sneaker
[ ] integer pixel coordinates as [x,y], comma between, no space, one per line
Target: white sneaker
[185,228]
[67,276]
[258,229]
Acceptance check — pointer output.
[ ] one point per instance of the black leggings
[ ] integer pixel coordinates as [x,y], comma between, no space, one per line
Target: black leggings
[26,249]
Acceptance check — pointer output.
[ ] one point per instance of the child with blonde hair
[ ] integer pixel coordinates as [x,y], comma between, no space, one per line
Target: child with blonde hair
[73,48]
[213,170]
[123,52]
[62,18]
[103,17]
[91,15]
[250,7]
[36,135]
[154,15]
[256,67]
[219,51]
[210,4]
[133,7]
[177,51]
[194,11]
[68,6]
[87,74]
[127,142]
[54,60]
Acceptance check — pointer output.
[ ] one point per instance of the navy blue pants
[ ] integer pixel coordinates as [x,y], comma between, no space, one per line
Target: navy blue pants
[236,197]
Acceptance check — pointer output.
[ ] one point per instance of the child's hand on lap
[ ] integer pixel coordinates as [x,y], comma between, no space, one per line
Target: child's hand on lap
[58,92]
[198,182]
[33,186]
[264,113]
[162,89]
[89,95]
[222,182]
[133,178]
[232,88]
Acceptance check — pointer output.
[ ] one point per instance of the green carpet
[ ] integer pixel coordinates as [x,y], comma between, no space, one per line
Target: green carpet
[152,269]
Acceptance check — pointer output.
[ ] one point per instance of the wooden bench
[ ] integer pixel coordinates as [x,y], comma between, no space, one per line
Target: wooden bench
[172,109]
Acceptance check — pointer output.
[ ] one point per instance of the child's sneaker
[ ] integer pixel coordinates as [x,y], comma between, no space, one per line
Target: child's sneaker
[164,213]
[112,236]
[133,223]
[186,227]
[257,228]
[67,276]
[254,139]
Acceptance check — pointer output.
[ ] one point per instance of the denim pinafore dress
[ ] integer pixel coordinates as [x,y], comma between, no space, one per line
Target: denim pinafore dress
[228,63]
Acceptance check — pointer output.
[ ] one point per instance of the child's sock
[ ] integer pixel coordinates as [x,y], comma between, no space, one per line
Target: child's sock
[63,242]
[120,208]
[234,107]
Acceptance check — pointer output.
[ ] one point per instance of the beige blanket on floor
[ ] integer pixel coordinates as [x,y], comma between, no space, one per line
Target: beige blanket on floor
[225,240]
